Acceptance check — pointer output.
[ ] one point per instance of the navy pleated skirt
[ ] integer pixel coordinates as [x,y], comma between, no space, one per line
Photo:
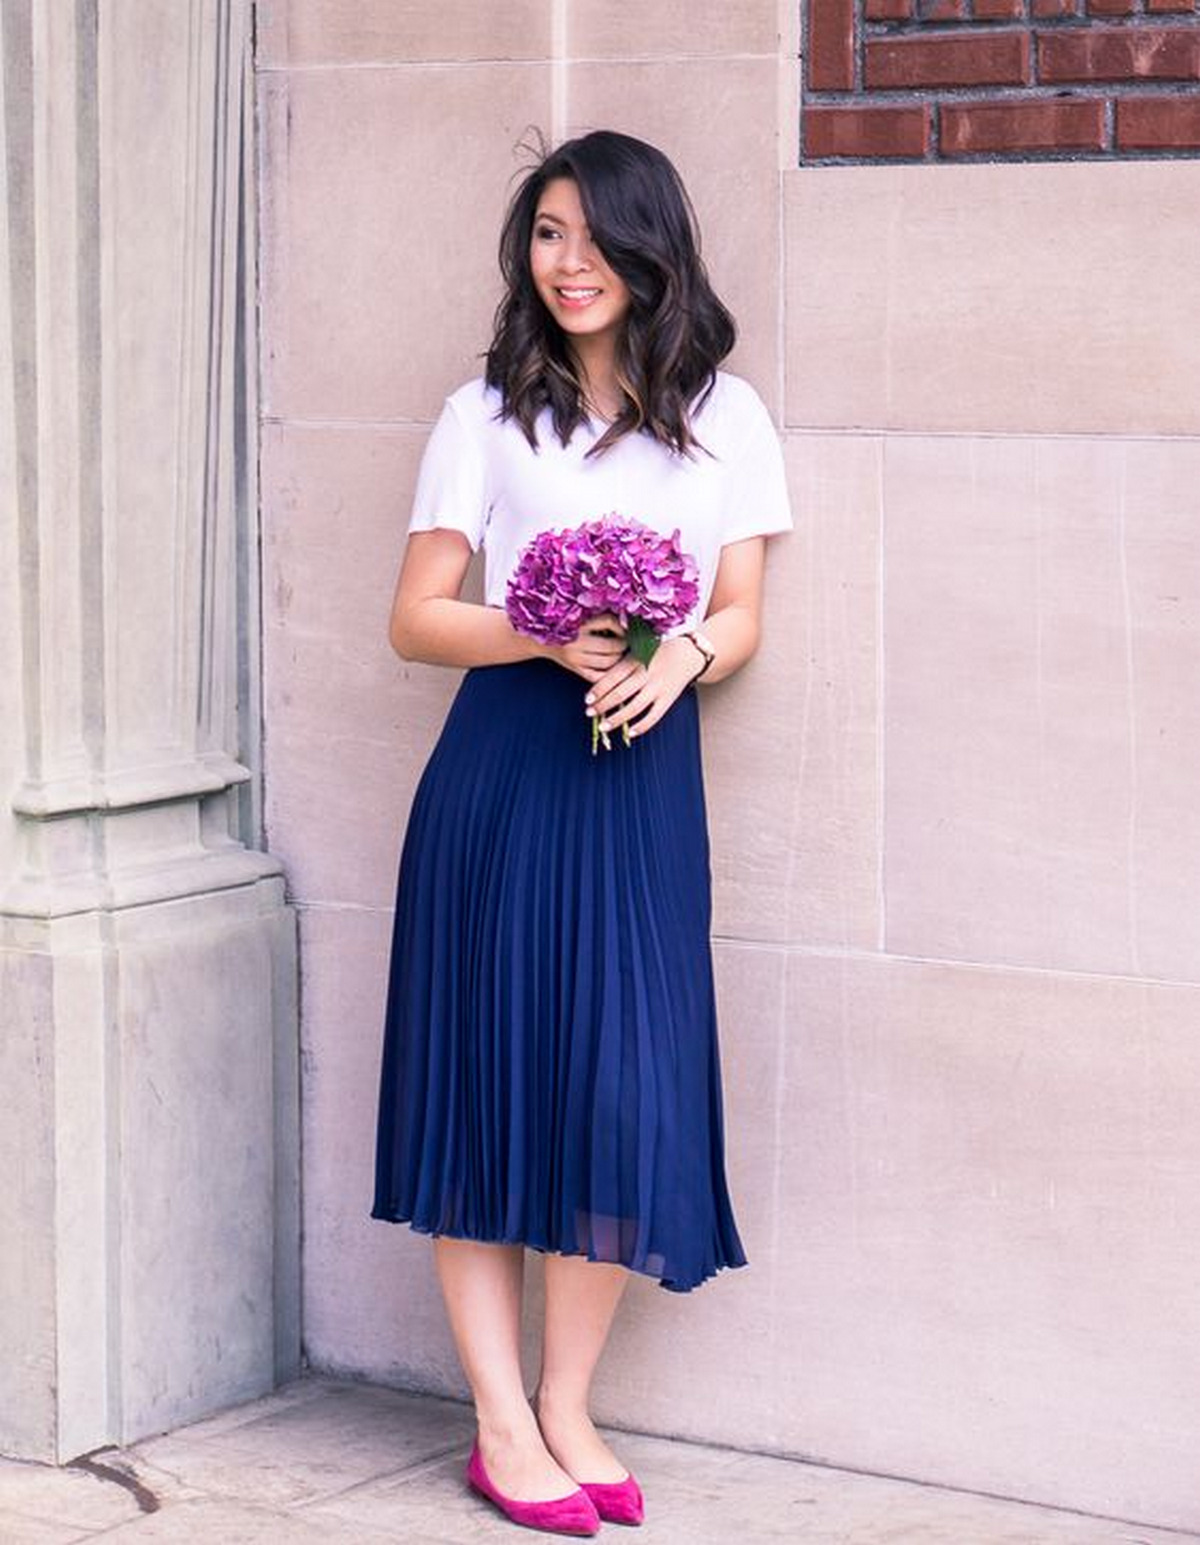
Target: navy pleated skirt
[550,1066]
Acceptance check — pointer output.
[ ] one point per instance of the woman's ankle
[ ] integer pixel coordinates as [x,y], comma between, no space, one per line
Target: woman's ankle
[559,1405]
[507,1425]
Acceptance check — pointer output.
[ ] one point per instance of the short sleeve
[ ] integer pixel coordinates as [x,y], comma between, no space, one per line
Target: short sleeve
[758,504]
[452,484]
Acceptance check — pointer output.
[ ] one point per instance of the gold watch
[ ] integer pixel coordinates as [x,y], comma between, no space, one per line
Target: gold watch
[705,646]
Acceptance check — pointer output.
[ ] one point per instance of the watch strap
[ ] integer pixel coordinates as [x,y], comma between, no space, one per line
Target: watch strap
[705,651]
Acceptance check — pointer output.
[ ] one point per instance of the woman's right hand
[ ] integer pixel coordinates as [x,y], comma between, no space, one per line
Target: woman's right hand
[600,644]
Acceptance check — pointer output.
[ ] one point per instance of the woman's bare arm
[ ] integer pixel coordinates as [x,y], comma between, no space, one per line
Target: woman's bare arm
[430,623]
[734,621]
[640,695]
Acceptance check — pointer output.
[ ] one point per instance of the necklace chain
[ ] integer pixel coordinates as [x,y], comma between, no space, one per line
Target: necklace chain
[594,407]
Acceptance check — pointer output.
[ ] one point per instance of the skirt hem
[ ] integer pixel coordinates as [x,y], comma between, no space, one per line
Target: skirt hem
[669,1284]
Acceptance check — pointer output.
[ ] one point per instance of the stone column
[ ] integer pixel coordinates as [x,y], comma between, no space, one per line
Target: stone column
[148,1216]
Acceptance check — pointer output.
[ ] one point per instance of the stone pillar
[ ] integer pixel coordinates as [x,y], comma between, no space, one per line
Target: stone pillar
[148,1216]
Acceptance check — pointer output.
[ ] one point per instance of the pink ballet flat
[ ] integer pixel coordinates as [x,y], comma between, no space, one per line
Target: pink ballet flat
[617,1502]
[573,1514]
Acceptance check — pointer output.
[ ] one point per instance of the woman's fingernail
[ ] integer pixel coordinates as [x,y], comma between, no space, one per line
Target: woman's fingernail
[591,713]
[590,698]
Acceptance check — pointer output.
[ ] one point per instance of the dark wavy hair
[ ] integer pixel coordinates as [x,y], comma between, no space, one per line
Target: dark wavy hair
[676,331]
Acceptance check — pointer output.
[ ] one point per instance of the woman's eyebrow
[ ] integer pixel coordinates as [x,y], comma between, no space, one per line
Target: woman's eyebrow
[542,215]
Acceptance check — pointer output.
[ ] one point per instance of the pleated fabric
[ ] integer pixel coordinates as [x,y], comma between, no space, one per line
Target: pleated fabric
[550,1072]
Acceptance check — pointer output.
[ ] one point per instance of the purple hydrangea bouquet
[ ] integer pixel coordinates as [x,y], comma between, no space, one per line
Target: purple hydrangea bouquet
[613,564]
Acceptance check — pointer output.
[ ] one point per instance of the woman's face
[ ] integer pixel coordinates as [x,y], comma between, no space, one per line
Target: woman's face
[578,288]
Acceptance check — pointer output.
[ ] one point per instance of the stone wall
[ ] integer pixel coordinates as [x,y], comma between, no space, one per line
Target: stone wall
[149,1251]
[956,840]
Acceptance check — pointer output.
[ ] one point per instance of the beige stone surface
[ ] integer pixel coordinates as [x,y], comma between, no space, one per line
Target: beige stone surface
[370,1295]
[991,1194]
[28,1419]
[626,28]
[384,191]
[1007,297]
[12,705]
[1042,644]
[674,104]
[161,178]
[792,747]
[195,995]
[306,33]
[351,723]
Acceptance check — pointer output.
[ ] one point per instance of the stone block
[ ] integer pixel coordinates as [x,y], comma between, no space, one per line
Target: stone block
[308,33]
[371,1296]
[198,1020]
[384,192]
[351,724]
[948,298]
[28,1419]
[791,743]
[990,1187]
[623,29]
[1042,640]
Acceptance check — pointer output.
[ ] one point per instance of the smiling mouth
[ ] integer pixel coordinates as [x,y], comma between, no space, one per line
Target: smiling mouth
[577,295]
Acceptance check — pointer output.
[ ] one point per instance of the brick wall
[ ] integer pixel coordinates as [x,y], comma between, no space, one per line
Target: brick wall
[996,79]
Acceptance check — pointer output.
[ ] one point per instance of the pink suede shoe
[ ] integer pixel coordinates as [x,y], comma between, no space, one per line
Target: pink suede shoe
[573,1514]
[617,1502]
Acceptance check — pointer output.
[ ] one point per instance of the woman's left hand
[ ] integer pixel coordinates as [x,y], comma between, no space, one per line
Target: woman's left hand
[629,691]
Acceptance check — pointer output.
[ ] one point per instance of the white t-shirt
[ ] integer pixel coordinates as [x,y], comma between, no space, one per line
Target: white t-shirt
[481,476]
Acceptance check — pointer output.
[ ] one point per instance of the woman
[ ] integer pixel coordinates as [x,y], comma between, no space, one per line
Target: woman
[550,1075]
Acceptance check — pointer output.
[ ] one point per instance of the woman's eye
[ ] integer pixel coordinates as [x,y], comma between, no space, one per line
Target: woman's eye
[545,231]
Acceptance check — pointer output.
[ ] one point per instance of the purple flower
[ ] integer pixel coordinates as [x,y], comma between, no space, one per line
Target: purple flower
[608,565]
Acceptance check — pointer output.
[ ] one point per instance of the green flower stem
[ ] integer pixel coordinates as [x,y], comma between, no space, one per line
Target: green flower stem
[642,642]
[641,639]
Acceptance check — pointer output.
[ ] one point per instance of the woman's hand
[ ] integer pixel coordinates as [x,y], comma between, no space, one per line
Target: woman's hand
[639,695]
[600,644]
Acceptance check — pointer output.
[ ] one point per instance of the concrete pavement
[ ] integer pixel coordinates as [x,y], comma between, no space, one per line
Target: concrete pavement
[336,1463]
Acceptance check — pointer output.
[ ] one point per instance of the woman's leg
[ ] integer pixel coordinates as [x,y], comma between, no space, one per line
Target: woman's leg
[482,1287]
[581,1299]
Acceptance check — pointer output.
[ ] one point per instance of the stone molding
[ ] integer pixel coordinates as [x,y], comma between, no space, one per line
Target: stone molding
[131,424]
[149,1269]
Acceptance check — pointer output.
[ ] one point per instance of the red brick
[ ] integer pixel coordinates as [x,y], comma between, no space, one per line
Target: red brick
[1037,124]
[888,10]
[866,131]
[1110,7]
[1045,10]
[1119,53]
[941,10]
[989,59]
[1157,6]
[831,45]
[999,10]
[1158,123]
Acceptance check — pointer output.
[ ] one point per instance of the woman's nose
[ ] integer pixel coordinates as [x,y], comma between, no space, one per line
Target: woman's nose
[577,253]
